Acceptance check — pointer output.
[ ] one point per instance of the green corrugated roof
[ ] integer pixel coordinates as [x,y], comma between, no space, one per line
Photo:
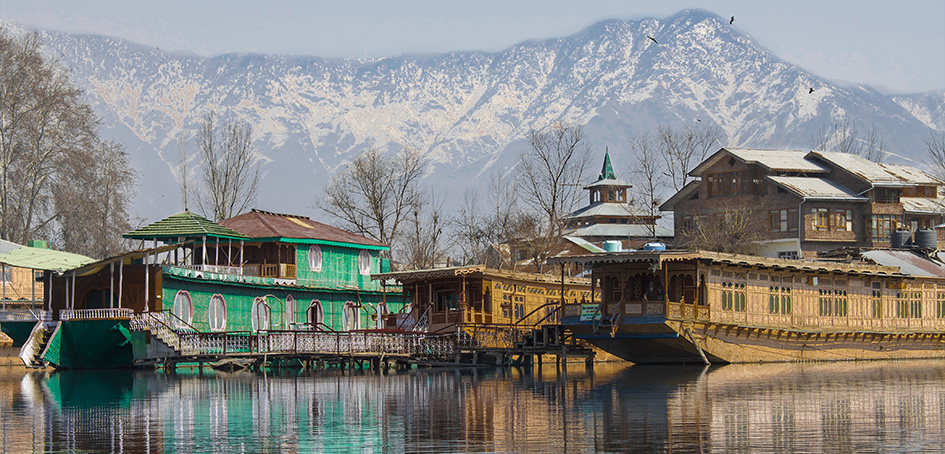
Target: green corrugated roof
[44,259]
[184,224]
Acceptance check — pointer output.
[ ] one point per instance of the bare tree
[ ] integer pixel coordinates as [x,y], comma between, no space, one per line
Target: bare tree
[375,194]
[423,247]
[735,230]
[647,175]
[230,168]
[843,136]
[54,168]
[105,177]
[481,228]
[550,183]
[935,148]
[683,149]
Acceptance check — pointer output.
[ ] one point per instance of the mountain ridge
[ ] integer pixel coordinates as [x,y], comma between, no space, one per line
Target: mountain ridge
[468,112]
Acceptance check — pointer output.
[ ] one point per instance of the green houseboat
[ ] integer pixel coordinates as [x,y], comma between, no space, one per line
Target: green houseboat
[253,273]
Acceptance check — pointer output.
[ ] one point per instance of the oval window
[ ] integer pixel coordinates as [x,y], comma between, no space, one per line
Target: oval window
[315,258]
[289,316]
[260,314]
[364,262]
[217,314]
[183,308]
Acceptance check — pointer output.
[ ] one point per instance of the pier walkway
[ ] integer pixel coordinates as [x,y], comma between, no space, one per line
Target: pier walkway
[170,342]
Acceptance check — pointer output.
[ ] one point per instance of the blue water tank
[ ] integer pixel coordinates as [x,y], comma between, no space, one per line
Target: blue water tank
[612,246]
[654,247]
[926,239]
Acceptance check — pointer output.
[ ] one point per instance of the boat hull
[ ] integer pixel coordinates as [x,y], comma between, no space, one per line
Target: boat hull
[674,342]
[90,344]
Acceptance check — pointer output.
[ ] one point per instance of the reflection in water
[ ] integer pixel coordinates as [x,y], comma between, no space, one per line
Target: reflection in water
[840,407]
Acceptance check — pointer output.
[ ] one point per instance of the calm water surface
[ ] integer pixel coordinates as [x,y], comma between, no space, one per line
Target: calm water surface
[840,407]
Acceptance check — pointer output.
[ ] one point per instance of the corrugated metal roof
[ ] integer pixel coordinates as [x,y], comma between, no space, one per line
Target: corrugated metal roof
[773,160]
[621,231]
[908,262]
[816,188]
[586,245]
[263,224]
[875,173]
[912,174]
[7,246]
[184,224]
[44,259]
[923,205]
[604,209]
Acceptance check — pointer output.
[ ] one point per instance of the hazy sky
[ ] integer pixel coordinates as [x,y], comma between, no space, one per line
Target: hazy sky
[895,46]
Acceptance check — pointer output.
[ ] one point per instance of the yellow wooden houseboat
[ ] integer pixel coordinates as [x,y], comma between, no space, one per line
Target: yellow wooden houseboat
[482,302]
[686,307]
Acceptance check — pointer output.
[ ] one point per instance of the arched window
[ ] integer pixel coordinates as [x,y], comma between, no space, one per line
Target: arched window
[289,316]
[260,314]
[217,314]
[315,258]
[350,318]
[364,262]
[183,307]
[315,315]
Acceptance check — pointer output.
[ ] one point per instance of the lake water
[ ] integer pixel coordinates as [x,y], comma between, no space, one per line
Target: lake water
[895,406]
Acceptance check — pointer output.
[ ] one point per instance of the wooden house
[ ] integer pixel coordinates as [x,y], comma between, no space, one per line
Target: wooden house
[445,300]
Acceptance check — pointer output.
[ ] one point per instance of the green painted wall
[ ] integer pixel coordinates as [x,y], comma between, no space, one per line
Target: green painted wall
[239,302]
[339,267]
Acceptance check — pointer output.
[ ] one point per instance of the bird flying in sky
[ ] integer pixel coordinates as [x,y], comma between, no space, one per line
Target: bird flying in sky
[811,90]
[653,39]
[731,21]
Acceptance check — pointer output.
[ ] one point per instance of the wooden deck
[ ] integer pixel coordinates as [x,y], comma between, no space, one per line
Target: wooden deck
[168,344]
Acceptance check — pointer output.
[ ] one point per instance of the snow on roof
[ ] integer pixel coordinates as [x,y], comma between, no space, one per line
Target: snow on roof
[816,188]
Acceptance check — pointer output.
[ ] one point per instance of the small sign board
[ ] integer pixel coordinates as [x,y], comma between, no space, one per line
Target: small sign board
[590,312]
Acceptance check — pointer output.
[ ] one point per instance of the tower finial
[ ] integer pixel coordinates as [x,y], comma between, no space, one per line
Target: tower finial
[607,172]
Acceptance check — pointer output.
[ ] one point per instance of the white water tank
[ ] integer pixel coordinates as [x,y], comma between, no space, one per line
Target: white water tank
[612,246]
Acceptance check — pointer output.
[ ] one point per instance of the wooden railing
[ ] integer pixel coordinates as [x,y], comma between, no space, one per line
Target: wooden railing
[95,314]
[491,336]
[277,270]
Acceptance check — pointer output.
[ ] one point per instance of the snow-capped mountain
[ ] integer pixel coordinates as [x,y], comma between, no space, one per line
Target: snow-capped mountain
[469,112]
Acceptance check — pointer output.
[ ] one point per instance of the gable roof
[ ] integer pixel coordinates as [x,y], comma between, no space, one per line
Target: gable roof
[683,194]
[876,174]
[816,188]
[773,160]
[185,224]
[258,224]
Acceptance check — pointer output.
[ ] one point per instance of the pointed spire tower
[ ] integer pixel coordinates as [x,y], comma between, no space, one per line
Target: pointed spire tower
[608,215]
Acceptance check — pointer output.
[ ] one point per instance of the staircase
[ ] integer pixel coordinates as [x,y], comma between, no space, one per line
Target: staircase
[158,325]
[35,346]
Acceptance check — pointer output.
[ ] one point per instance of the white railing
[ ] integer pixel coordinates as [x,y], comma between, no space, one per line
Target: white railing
[219,269]
[24,315]
[95,314]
